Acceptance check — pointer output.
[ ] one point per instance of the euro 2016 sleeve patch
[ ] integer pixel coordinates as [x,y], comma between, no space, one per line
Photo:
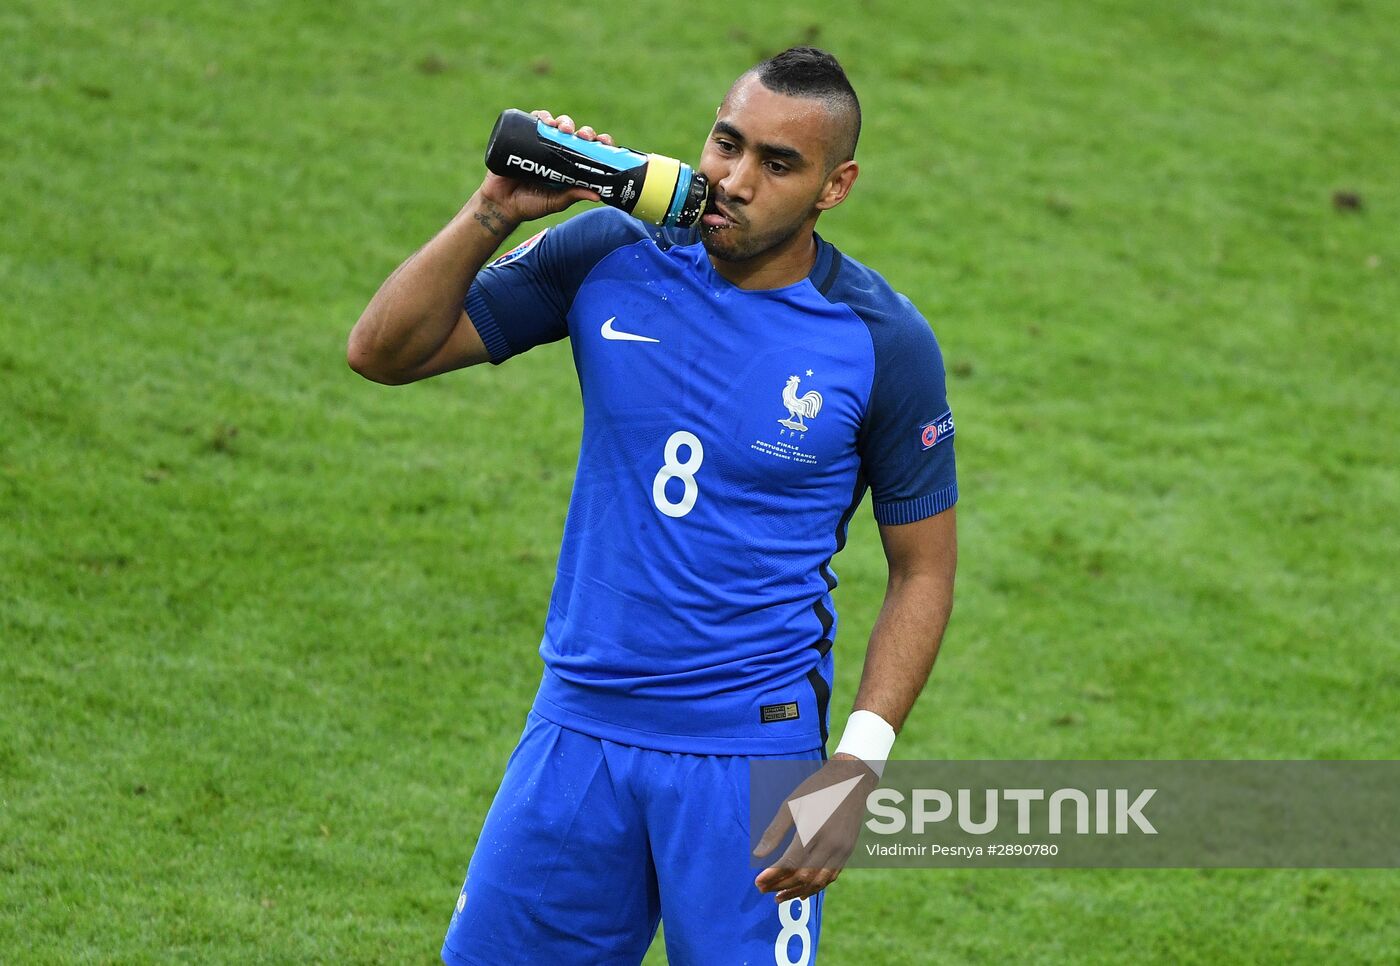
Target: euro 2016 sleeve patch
[937,430]
[518,250]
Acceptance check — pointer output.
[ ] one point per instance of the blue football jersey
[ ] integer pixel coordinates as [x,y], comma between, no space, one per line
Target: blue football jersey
[728,437]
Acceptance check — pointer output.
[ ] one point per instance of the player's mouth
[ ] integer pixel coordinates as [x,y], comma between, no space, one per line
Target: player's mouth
[716,218]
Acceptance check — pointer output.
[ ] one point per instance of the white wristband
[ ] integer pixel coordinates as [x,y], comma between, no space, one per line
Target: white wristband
[868,737]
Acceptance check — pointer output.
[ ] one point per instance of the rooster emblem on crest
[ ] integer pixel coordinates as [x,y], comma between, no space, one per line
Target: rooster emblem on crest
[799,407]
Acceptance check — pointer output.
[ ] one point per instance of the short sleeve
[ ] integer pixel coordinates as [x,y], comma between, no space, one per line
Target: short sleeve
[522,299]
[906,441]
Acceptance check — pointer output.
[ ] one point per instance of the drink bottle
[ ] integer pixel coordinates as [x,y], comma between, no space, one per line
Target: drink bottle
[651,187]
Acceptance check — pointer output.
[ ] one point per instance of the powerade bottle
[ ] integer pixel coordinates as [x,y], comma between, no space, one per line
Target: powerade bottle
[651,187]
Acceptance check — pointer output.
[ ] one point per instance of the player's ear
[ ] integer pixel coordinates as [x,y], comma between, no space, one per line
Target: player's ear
[838,185]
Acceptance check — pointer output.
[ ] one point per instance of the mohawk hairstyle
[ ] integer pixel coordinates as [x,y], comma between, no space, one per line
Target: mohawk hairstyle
[812,72]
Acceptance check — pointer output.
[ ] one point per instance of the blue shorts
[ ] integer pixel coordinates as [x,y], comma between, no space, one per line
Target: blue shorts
[590,843]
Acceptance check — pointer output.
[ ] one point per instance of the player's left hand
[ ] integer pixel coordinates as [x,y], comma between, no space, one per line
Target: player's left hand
[805,868]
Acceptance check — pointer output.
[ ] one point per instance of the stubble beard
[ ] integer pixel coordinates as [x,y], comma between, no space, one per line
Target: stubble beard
[734,243]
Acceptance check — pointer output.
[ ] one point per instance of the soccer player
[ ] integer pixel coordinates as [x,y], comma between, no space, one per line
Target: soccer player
[744,384]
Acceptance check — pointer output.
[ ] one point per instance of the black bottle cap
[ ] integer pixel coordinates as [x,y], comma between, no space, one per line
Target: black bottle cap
[694,205]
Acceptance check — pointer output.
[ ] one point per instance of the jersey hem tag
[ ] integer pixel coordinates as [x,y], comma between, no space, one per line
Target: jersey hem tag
[769,713]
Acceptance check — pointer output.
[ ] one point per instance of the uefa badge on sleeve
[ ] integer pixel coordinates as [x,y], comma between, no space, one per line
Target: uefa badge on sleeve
[937,430]
[519,250]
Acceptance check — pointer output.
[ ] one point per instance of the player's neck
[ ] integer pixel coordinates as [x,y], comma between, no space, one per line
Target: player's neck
[785,265]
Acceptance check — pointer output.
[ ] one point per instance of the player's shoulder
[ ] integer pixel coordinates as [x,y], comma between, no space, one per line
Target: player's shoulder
[600,230]
[580,241]
[588,238]
[612,228]
[893,320]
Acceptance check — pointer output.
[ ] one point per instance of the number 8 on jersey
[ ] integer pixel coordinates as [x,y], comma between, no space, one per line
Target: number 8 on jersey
[685,472]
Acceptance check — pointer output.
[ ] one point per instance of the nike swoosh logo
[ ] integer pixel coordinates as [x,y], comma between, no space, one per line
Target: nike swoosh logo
[610,333]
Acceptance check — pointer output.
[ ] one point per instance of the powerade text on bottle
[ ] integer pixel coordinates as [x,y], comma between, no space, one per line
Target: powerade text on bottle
[651,187]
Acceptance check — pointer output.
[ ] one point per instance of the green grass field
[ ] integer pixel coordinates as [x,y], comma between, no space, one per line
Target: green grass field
[268,631]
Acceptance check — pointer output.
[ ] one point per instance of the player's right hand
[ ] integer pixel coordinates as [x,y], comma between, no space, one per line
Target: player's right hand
[808,866]
[522,201]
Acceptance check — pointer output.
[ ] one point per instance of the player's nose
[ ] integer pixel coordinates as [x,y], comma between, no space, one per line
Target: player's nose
[737,182]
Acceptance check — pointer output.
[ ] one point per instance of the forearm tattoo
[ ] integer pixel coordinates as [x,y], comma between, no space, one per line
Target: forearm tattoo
[491,219]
